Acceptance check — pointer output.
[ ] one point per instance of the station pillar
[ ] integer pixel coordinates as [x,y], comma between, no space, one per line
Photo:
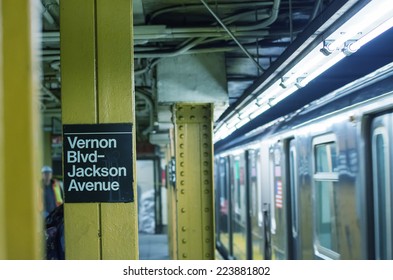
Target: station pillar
[97,88]
[171,201]
[21,230]
[194,181]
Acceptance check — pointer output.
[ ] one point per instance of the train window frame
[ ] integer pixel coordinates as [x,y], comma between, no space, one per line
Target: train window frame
[332,177]
[382,131]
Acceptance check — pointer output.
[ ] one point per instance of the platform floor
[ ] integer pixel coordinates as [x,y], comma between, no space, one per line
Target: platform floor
[153,247]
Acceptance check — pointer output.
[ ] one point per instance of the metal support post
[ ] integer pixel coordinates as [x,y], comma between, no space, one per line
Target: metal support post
[21,230]
[194,181]
[97,87]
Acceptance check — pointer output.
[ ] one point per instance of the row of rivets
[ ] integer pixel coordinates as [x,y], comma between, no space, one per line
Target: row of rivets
[182,178]
[206,181]
[182,113]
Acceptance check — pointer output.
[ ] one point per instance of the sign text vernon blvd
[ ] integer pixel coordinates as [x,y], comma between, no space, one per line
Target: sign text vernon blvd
[98,162]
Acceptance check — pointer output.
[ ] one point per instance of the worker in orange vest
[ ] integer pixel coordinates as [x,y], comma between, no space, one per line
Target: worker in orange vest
[53,192]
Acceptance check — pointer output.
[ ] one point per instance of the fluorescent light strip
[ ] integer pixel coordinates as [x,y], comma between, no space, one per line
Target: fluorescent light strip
[372,15]
[373,34]
[269,93]
[321,69]
[262,109]
[232,122]
[249,109]
[242,122]
[283,95]
[311,61]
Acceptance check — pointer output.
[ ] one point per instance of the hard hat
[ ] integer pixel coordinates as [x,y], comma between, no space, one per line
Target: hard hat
[46,169]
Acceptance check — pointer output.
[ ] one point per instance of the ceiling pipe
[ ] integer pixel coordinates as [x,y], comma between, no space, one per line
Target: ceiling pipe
[143,94]
[233,36]
[147,33]
[199,6]
[274,14]
[239,5]
[154,32]
[148,67]
[186,46]
[161,32]
[316,8]
[189,48]
[51,11]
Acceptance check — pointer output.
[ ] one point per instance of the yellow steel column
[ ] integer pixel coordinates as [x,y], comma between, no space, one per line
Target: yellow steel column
[116,104]
[3,226]
[194,181]
[21,234]
[97,87]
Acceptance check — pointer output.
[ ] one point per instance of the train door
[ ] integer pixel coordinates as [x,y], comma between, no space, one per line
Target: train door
[264,167]
[280,237]
[222,196]
[239,207]
[381,149]
[294,240]
[326,243]
[255,236]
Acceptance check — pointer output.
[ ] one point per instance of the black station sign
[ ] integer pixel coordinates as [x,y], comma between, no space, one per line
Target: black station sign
[98,162]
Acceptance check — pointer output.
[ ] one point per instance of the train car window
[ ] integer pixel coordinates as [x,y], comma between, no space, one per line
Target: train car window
[326,157]
[325,209]
[382,194]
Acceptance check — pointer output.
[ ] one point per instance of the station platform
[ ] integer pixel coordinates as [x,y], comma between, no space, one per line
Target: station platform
[153,247]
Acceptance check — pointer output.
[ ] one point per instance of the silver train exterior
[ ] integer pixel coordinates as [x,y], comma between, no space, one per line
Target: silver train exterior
[315,184]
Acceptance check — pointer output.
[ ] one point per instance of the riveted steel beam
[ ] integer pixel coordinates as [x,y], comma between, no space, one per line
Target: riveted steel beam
[194,181]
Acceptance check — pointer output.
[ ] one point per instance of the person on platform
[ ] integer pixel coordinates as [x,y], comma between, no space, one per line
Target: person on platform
[53,192]
[54,215]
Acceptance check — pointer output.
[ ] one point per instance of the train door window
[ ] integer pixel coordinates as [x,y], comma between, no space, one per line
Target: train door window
[325,184]
[382,193]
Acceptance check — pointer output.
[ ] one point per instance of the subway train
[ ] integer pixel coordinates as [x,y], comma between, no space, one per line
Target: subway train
[314,184]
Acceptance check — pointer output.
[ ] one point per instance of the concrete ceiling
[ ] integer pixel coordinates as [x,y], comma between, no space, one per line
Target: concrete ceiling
[168,33]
